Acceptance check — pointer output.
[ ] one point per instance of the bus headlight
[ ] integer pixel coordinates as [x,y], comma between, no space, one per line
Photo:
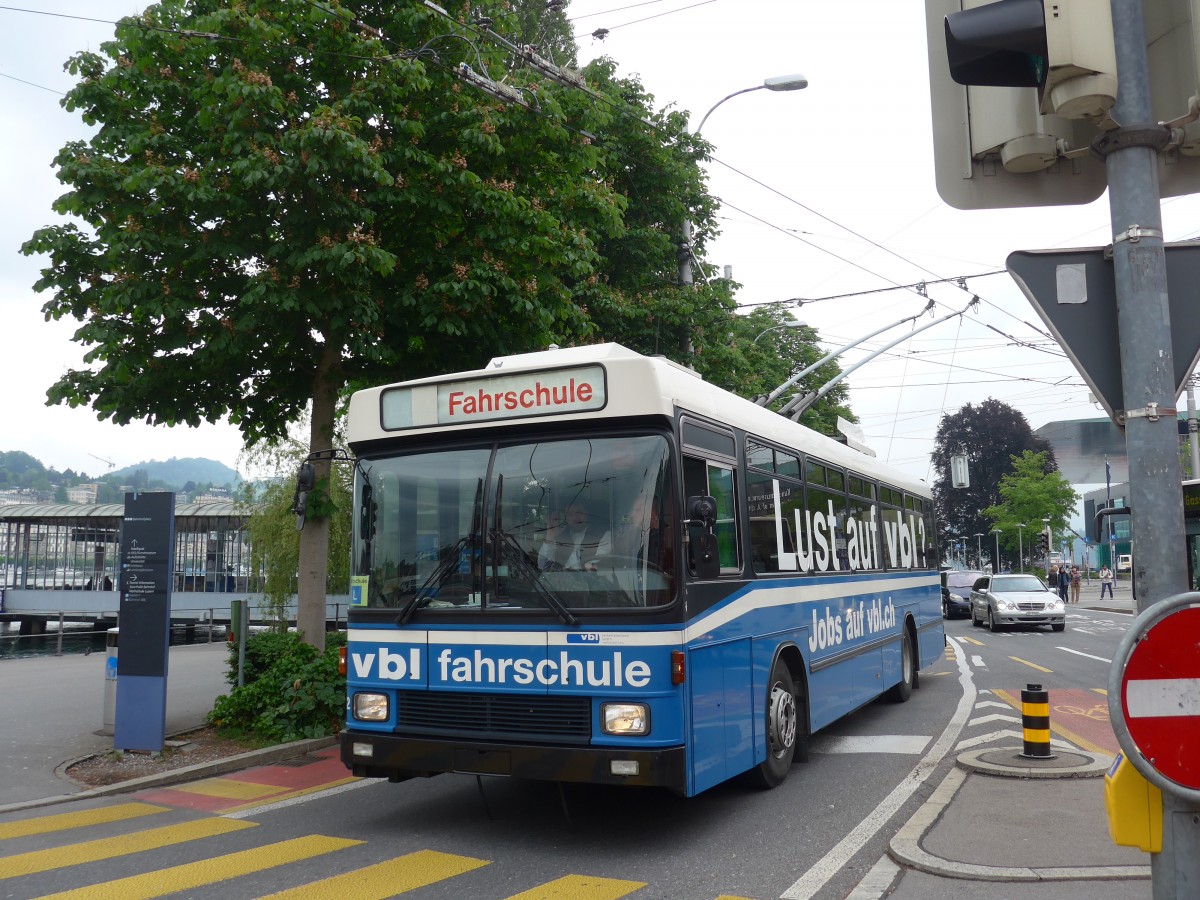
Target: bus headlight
[625,718]
[371,707]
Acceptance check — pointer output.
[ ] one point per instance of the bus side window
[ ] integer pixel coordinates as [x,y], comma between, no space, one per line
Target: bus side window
[702,477]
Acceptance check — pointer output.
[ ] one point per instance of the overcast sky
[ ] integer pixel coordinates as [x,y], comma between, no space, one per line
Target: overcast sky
[846,205]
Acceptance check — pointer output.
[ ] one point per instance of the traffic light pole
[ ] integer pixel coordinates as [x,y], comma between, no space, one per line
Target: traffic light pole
[1147,380]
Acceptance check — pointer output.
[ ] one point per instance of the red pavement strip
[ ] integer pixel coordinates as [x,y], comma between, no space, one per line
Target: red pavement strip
[254,787]
[1078,716]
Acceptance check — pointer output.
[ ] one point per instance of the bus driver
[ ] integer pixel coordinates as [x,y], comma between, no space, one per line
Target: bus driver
[573,543]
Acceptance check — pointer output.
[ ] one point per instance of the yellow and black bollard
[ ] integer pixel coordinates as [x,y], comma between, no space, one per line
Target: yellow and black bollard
[1035,720]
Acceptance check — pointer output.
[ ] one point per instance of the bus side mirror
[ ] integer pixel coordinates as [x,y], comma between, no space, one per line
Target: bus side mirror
[702,538]
[702,511]
[366,513]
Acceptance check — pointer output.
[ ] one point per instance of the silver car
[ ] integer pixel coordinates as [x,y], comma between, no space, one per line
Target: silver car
[1015,600]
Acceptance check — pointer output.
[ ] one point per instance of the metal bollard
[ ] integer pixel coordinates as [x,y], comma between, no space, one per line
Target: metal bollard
[1035,721]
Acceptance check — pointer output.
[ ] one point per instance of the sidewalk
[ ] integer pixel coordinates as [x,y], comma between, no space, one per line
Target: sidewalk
[53,705]
[984,835]
[1121,600]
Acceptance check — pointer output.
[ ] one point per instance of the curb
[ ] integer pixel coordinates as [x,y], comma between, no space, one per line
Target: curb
[905,848]
[249,759]
[976,761]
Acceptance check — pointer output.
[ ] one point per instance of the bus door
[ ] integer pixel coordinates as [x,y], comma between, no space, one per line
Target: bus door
[720,670]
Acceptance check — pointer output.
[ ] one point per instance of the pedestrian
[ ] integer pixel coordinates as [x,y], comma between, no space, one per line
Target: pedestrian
[1075,584]
[1064,583]
[1106,582]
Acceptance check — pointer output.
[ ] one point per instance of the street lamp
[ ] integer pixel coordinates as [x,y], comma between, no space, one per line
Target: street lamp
[1049,541]
[996,561]
[979,551]
[1020,547]
[777,83]
[789,324]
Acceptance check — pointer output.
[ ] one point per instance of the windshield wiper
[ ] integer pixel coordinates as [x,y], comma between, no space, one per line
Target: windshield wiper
[449,562]
[516,557]
[425,591]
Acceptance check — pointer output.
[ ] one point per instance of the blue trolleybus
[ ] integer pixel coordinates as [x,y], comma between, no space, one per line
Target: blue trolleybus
[588,565]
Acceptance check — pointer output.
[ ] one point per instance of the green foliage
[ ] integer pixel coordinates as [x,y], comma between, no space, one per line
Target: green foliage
[271,526]
[990,435]
[1030,493]
[281,198]
[295,693]
[753,361]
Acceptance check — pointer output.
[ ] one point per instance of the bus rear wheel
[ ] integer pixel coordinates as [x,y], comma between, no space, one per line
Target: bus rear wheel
[783,725]
[903,689]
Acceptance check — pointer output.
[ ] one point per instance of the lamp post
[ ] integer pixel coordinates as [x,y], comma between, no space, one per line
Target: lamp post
[777,83]
[979,550]
[790,324]
[996,561]
[1020,547]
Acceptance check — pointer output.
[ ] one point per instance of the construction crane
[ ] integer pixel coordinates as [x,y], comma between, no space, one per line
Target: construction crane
[107,462]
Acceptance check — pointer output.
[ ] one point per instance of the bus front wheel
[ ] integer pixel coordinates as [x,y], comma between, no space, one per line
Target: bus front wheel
[783,724]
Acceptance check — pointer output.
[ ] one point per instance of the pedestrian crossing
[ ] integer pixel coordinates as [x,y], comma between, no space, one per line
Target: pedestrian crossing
[223,850]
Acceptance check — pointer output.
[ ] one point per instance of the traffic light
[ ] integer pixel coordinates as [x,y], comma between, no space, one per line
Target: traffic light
[1043,543]
[1064,48]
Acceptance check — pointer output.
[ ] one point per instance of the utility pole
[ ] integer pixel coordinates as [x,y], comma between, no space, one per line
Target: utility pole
[1148,384]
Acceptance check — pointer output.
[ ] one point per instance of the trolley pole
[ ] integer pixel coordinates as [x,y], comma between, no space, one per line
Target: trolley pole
[1148,383]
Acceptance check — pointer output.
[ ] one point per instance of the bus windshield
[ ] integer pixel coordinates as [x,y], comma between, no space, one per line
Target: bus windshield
[548,526]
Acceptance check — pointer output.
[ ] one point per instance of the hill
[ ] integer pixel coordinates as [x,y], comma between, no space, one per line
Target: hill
[176,472]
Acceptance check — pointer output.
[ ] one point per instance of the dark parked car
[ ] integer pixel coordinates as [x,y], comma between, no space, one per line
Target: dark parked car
[956,592]
[1016,600]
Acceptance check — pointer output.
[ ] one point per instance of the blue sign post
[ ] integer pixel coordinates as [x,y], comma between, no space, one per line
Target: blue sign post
[147,561]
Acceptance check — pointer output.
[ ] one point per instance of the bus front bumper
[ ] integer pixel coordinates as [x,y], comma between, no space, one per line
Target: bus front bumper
[374,755]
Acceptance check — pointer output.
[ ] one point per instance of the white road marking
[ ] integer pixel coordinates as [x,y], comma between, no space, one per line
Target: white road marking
[836,859]
[977,662]
[984,703]
[994,717]
[877,882]
[1081,653]
[1006,734]
[911,744]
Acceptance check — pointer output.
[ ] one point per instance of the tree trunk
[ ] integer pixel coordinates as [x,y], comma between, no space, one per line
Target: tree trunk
[314,539]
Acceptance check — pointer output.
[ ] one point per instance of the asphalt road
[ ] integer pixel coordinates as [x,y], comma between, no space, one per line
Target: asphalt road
[816,835]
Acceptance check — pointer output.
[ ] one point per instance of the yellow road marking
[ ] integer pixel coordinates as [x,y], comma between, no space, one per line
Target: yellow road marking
[732,897]
[230,789]
[109,848]
[935,674]
[1032,665]
[290,793]
[1100,691]
[65,821]
[971,640]
[580,887]
[385,879]
[208,871]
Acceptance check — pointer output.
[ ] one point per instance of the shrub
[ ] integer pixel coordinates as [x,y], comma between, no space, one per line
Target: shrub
[291,691]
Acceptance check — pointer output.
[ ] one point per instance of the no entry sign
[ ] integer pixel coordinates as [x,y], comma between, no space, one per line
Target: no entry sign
[1160,693]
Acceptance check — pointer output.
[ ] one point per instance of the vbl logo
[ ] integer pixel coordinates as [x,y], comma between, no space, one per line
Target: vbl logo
[584,637]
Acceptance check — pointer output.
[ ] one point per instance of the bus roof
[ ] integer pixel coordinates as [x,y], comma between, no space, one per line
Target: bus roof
[606,381]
